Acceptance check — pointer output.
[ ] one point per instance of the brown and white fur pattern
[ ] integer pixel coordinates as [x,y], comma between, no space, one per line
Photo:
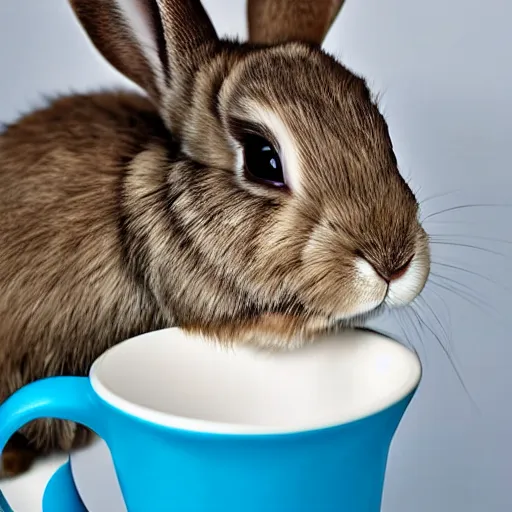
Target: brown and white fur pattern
[122,214]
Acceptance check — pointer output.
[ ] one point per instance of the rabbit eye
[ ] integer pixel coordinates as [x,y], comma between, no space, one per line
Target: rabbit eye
[261,162]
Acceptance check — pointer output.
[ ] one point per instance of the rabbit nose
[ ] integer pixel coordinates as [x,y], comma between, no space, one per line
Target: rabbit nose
[393,274]
[390,273]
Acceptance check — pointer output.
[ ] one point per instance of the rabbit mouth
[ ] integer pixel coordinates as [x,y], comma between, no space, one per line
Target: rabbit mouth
[285,324]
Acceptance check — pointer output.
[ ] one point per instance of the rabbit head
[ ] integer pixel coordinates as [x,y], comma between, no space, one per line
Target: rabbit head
[285,214]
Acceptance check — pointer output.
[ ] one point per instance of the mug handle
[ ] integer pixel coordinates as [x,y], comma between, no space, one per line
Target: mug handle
[64,398]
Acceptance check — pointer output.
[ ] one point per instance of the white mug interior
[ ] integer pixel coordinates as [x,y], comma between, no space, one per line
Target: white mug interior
[183,381]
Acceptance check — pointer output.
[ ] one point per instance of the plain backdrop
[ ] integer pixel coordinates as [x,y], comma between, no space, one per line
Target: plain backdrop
[443,70]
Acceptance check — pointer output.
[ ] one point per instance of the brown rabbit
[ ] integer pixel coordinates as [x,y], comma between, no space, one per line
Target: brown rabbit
[253,195]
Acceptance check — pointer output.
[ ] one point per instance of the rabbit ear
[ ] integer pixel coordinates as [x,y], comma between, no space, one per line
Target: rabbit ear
[280,21]
[155,43]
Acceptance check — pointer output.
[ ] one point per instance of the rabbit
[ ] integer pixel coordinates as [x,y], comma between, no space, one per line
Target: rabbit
[248,192]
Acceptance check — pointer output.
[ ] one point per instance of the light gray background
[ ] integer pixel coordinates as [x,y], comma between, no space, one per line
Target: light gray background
[444,69]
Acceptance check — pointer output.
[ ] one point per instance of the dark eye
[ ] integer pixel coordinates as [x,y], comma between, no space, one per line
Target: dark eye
[261,162]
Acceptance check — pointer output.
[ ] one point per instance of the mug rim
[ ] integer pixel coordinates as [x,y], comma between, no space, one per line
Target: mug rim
[202,426]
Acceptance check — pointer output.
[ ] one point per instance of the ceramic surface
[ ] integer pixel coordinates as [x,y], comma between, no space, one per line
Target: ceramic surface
[194,426]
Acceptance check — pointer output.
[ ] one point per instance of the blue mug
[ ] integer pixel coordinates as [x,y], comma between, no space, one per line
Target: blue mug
[193,426]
